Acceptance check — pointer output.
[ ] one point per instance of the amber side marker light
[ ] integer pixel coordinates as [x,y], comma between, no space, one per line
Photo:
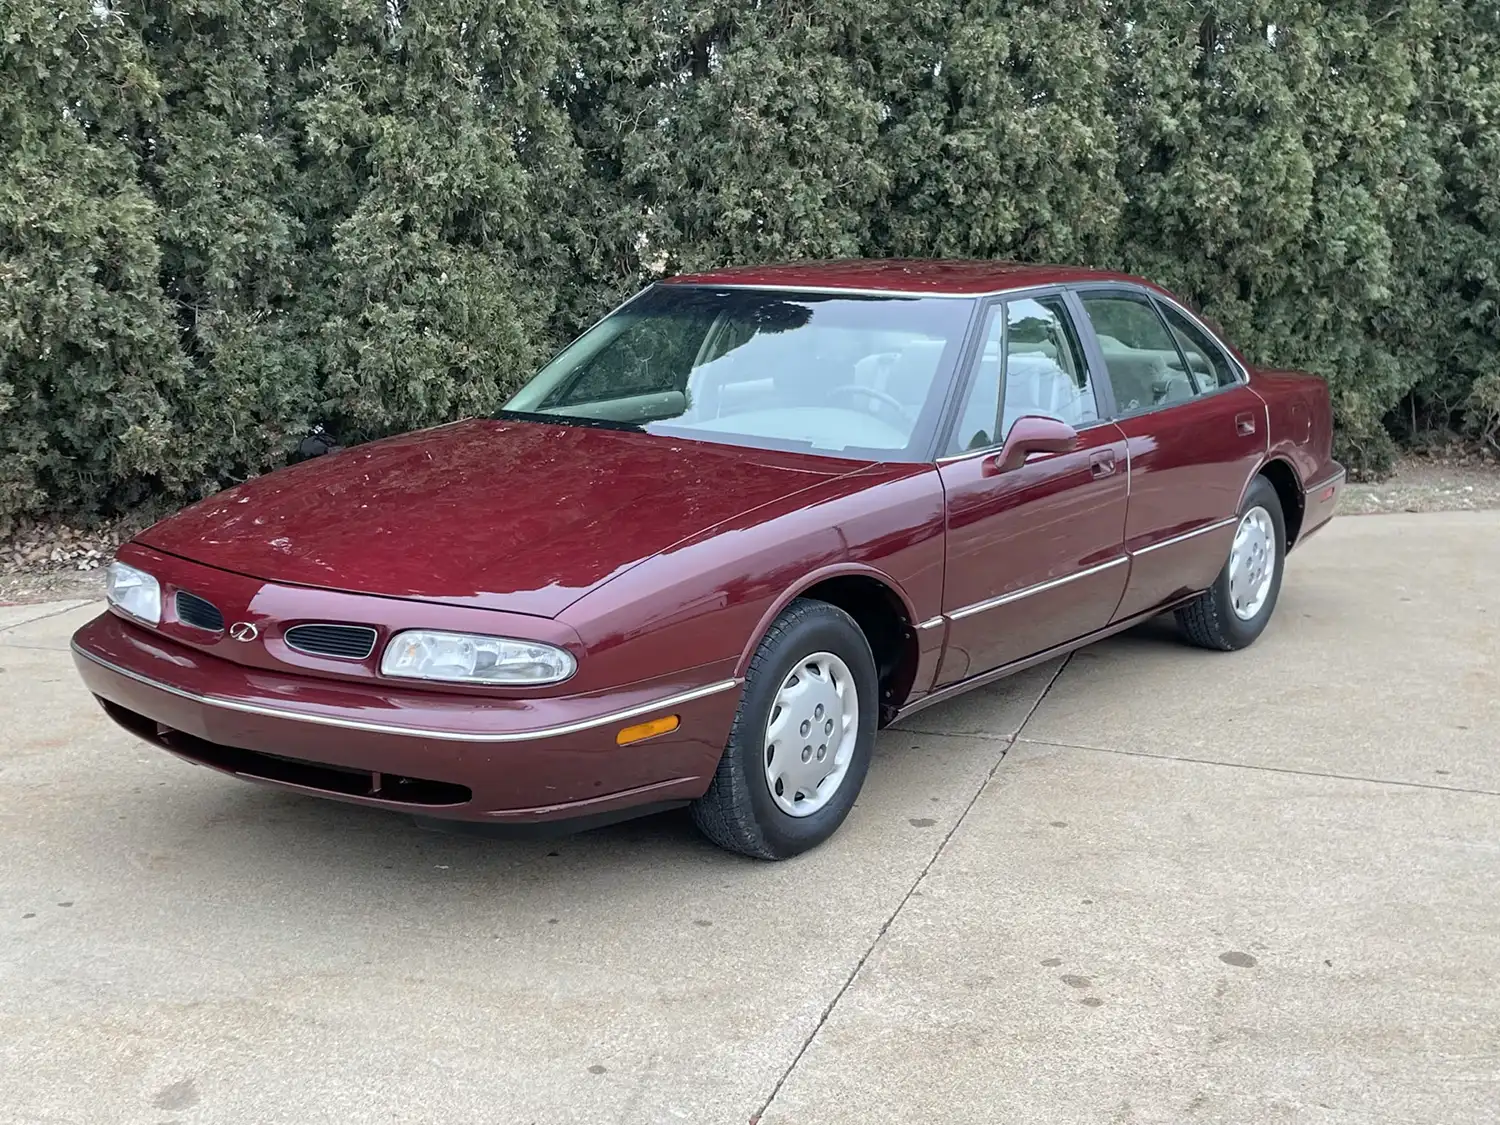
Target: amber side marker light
[641,731]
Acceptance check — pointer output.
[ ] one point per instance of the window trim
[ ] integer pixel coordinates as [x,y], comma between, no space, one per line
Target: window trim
[1242,373]
[1235,368]
[956,379]
[1093,355]
[1134,293]
[1152,298]
[967,369]
[966,376]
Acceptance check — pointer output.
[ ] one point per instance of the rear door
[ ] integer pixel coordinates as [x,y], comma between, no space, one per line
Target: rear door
[1195,434]
[1035,554]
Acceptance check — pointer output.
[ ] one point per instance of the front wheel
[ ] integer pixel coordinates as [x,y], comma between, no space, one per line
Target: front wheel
[801,742]
[1234,611]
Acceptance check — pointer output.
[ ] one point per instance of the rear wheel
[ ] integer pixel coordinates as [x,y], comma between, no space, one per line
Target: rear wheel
[1234,611]
[801,742]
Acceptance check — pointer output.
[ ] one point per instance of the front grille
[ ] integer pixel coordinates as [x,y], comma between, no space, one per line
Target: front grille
[343,642]
[200,614]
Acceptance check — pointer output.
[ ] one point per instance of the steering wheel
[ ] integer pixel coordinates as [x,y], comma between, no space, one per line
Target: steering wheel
[878,396]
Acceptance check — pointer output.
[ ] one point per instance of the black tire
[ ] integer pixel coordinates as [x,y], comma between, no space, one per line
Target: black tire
[1209,621]
[738,812]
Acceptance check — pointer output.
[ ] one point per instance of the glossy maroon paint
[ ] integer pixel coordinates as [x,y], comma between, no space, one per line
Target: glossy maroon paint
[1058,516]
[501,514]
[1032,437]
[1299,422]
[659,563]
[901,275]
[1189,467]
[274,607]
[538,779]
[713,595]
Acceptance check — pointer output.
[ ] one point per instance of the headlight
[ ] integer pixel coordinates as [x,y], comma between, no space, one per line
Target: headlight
[464,658]
[135,592]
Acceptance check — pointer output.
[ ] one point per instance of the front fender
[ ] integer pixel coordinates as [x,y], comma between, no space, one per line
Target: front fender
[807,582]
[705,603]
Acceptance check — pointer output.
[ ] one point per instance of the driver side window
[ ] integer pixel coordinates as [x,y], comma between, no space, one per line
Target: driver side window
[1030,363]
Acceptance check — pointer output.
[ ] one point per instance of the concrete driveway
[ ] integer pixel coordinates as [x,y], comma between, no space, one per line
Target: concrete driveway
[1149,885]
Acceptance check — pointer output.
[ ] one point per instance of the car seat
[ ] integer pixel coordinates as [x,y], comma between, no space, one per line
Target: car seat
[1142,378]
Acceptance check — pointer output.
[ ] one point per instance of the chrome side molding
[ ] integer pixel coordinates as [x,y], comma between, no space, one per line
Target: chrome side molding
[1028,591]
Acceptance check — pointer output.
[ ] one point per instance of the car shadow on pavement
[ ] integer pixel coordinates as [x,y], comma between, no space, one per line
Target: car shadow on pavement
[228,830]
[237,826]
[320,814]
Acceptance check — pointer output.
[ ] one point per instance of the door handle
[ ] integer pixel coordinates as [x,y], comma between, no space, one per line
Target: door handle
[1102,464]
[1245,424]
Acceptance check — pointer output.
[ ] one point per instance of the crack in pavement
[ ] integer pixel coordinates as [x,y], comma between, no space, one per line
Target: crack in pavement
[921,875]
[45,616]
[33,648]
[1253,766]
[983,736]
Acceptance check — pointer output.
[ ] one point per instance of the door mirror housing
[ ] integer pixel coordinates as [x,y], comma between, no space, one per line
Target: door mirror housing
[1032,433]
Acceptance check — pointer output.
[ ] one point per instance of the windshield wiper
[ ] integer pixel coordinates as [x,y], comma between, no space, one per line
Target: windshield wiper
[569,420]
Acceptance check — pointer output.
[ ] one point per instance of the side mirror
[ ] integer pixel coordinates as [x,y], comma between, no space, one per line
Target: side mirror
[1031,433]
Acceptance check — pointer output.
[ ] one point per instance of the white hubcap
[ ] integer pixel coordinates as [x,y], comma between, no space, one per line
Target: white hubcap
[811,733]
[1252,563]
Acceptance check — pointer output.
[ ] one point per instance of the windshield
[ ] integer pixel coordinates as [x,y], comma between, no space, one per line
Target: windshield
[835,373]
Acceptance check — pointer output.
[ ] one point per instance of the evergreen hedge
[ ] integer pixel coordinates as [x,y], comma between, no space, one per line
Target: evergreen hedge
[225,221]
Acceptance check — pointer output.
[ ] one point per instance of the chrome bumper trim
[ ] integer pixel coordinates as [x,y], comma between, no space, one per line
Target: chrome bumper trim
[417,732]
[1338,478]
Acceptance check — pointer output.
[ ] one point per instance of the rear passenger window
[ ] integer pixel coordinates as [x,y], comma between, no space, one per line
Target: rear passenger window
[1144,365]
[1211,368]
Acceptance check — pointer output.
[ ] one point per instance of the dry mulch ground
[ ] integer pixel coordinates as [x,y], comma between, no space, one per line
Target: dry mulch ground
[50,561]
[1440,482]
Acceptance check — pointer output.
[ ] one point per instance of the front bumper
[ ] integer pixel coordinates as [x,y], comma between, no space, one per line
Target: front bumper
[449,756]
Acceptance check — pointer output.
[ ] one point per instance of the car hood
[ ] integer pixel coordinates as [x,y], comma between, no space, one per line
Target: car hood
[520,516]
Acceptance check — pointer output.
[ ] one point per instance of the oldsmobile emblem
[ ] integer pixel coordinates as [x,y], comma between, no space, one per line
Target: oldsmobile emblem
[243,631]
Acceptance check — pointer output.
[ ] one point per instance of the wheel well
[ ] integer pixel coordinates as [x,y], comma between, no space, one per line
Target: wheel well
[881,616]
[1283,479]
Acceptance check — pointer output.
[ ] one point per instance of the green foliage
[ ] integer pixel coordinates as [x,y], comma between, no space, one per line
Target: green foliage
[1451,244]
[90,367]
[439,273]
[224,221]
[1271,165]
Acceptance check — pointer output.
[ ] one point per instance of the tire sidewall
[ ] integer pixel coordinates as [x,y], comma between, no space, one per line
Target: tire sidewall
[1260,495]
[825,629]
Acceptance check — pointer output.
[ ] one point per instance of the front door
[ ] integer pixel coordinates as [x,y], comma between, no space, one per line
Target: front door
[1195,432]
[1035,554]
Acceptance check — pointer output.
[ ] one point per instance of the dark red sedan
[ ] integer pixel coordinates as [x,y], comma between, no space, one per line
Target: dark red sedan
[743,521]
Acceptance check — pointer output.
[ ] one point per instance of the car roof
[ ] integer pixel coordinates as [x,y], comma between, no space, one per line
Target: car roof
[912,276]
